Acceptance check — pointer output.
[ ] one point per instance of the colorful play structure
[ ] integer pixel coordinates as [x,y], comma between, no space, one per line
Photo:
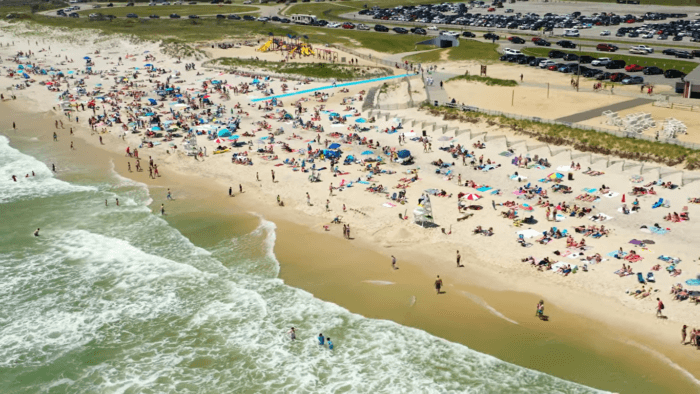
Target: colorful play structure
[294,46]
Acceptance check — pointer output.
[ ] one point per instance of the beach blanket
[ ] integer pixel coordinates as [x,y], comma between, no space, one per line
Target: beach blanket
[614,254]
[693,282]
[363,182]
[658,230]
[506,154]
[590,190]
[484,189]
[389,205]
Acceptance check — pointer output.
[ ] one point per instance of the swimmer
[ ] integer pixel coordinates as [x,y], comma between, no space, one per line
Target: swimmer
[330,344]
[36,233]
[321,339]
[292,334]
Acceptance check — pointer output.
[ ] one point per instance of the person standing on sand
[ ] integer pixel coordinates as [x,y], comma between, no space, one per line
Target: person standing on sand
[273,175]
[55,137]
[683,334]
[540,309]
[328,202]
[330,188]
[459,259]
[393,262]
[53,167]
[348,231]
[257,177]
[438,284]
[240,188]
[105,202]
[128,166]
[230,192]
[162,209]
[659,308]
[14,126]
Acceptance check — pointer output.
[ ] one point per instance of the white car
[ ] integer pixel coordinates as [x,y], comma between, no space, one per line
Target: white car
[362,26]
[648,35]
[333,25]
[605,33]
[643,48]
[248,2]
[547,63]
[603,61]
[432,28]
[509,51]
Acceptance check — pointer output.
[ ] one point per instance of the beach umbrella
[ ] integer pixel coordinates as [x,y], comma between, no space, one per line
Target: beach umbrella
[224,133]
[526,207]
[21,67]
[471,196]
[555,175]
[71,72]
[402,154]
[156,128]
[235,137]
[360,120]
[87,58]
[334,146]
[148,65]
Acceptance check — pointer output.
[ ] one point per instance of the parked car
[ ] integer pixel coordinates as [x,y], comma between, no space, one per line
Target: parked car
[606,47]
[603,61]
[381,28]
[285,20]
[174,16]
[684,55]
[516,40]
[348,25]
[546,63]
[618,77]
[669,51]
[468,34]
[509,51]
[193,16]
[615,64]
[566,44]
[592,73]
[571,57]
[554,54]
[634,68]
[585,59]
[154,16]
[220,16]
[636,80]
[248,17]
[400,30]
[536,61]
[651,70]
[603,76]
[543,43]
[131,15]
[362,26]
[605,33]
[74,15]
[492,36]
[674,74]
[234,17]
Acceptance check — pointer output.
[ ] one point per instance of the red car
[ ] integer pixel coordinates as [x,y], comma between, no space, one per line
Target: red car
[553,67]
[491,9]
[348,25]
[634,68]
[535,39]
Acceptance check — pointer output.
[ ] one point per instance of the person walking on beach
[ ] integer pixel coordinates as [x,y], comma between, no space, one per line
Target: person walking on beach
[105,202]
[348,231]
[459,259]
[14,126]
[683,334]
[71,146]
[393,262]
[273,175]
[438,284]
[169,196]
[330,188]
[162,209]
[328,202]
[55,137]
[56,124]
[257,177]
[345,230]
[230,192]
[240,188]
[128,166]
[659,308]
[117,202]
[540,309]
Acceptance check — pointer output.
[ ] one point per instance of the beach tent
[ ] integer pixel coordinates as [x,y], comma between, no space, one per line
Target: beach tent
[331,153]
[224,133]
[152,101]
[87,58]
[334,146]
[403,154]
[156,128]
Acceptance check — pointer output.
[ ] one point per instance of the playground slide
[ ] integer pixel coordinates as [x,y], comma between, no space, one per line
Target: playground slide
[265,46]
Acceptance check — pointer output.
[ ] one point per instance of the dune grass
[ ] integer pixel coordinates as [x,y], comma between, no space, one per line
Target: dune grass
[311,70]
[583,140]
[182,10]
[488,81]
[467,50]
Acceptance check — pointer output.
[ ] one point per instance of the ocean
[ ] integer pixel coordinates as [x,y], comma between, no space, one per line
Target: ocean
[116,300]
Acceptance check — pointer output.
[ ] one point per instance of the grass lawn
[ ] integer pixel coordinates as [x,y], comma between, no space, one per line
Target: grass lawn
[467,50]
[665,64]
[182,10]
[333,10]
[312,70]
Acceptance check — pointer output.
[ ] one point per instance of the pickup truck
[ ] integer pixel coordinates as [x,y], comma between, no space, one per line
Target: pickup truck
[638,51]
[642,48]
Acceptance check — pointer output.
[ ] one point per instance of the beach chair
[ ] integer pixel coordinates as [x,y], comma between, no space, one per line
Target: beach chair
[640,278]
[658,203]
[667,203]
[650,277]
[393,197]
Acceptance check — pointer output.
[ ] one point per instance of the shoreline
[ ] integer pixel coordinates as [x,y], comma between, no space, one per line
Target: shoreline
[488,304]
[419,264]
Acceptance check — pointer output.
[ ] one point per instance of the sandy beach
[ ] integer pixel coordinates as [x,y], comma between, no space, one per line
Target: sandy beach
[595,303]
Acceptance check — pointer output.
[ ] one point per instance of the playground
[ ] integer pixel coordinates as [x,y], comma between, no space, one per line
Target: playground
[291,47]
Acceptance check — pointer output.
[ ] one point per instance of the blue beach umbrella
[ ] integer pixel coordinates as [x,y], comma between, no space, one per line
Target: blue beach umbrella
[402,154]
[224,133]
[148,65]
[334,146]
[367,152]
[87,58]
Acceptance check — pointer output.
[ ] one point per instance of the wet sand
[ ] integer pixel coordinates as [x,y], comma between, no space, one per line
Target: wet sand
[572,346]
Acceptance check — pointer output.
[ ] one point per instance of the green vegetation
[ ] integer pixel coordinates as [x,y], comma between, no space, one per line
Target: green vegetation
[22,7]
[583,140]
[182,10]
[311,70]
[485,80]
[333,10]
[681,65]
[467,50]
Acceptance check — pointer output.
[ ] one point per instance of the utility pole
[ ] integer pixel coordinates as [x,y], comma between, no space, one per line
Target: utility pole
[578,73]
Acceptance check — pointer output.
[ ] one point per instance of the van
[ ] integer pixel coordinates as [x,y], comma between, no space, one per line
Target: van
[571,33]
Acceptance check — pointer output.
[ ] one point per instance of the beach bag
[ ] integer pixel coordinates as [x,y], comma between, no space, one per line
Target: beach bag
[662,305]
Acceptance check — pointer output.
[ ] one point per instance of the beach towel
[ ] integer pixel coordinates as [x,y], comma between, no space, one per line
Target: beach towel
[614,254]
[389,205]
[363,182]
[693,282]
[636,242]
[506,154]
[611,194]
[280,164]
[590,190]
[484,189]
[496,191]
